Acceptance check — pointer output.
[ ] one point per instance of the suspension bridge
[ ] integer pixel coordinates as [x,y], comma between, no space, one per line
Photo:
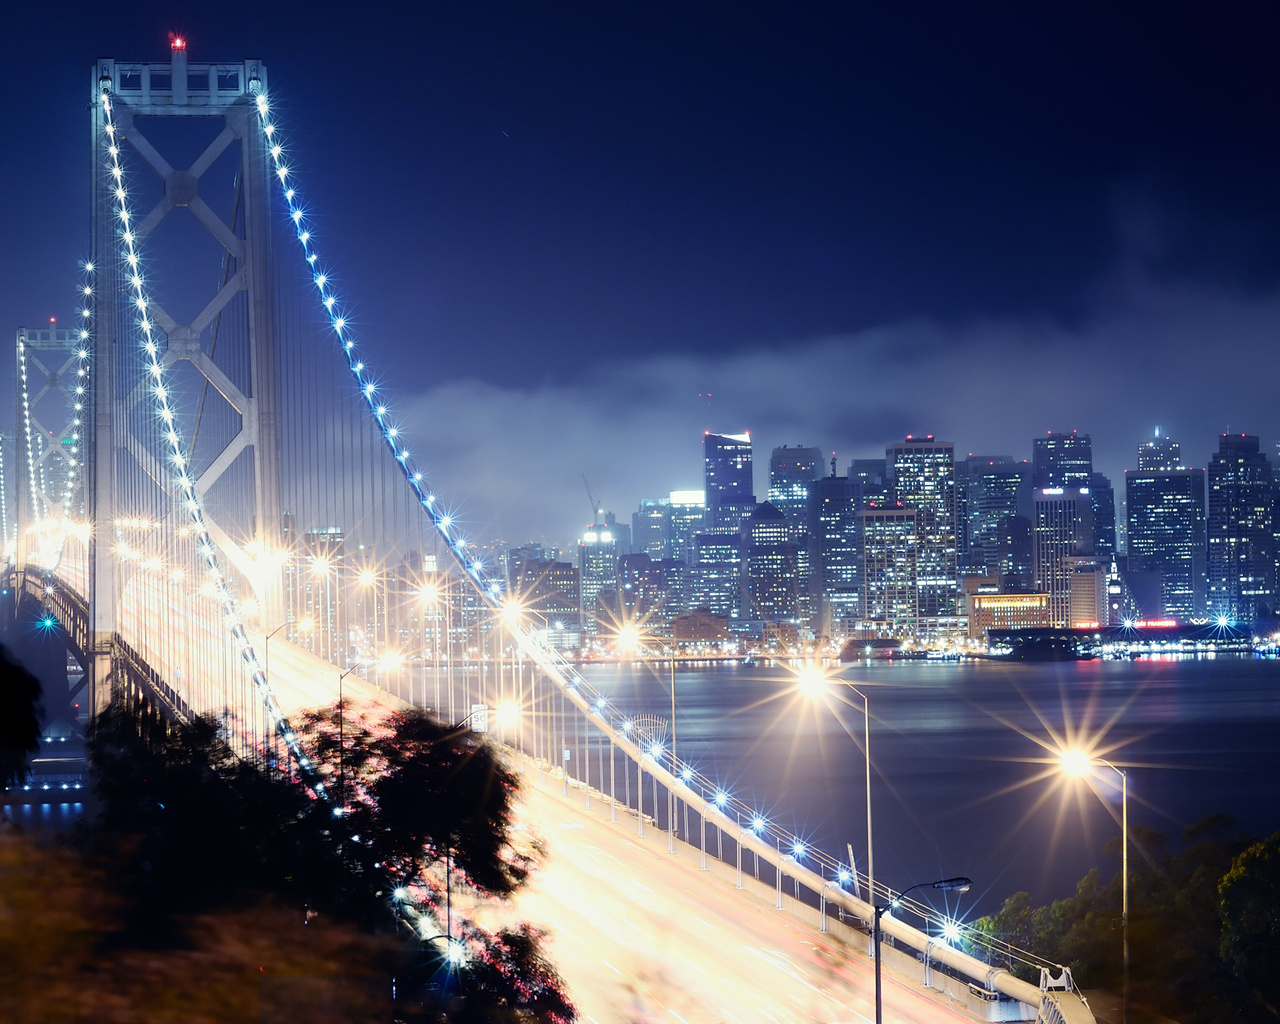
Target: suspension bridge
[217,510]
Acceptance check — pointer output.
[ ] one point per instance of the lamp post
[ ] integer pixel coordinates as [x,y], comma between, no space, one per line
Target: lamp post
[342,746]
[1079,763]
[959,884]
[814,681]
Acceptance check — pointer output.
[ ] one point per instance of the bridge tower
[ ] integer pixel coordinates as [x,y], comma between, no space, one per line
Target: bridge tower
[198,184]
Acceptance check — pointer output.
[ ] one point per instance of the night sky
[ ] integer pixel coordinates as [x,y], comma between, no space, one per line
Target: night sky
[581,234]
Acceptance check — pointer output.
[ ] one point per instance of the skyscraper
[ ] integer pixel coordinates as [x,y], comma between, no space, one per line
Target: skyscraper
[999,497]
[1062,527]
[1242,567]
[835,556]
[924,479]
[1061,460]
[792,472]
[1159,453]
[1165,513]
[770,584]
[597,570]
[730,490]
[890,600]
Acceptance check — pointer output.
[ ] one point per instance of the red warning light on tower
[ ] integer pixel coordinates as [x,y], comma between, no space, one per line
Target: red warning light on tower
[176,42]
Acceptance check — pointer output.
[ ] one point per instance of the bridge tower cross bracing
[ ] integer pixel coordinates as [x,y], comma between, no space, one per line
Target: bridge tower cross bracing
[145,99]
[49,481]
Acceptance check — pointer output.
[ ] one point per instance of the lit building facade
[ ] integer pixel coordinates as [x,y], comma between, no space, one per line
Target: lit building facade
[770,579]
[1062,527]
[1007,611]
[890,605]
[1241,562]
[729,487]
[924,479]
[597,570]
[792,472]
[1167,531]
[835,581]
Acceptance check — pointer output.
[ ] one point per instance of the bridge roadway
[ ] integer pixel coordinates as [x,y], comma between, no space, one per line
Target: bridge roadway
[640,934]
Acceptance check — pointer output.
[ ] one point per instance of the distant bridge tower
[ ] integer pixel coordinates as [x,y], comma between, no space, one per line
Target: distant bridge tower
[202,225]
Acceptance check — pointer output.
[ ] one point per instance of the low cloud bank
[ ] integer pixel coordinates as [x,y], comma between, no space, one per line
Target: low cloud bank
[1192,361]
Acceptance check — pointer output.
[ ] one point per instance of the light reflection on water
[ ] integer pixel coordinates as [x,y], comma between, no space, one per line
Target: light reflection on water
[952,757]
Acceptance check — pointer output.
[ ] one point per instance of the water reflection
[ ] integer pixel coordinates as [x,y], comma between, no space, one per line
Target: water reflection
[960,753]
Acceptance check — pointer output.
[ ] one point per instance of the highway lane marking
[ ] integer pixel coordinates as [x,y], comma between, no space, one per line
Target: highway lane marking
[707,923]
[612,968]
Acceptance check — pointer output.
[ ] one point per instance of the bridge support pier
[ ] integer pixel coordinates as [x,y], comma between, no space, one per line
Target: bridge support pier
[101,673]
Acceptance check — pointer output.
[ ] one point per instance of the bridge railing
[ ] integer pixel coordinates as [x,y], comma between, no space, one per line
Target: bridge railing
[774,846]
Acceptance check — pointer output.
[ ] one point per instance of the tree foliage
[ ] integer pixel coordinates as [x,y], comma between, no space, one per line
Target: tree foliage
[1250,912]
[189,827]
[1174,928]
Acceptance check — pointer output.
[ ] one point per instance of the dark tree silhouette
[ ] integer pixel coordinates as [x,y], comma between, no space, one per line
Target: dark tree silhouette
[20,714]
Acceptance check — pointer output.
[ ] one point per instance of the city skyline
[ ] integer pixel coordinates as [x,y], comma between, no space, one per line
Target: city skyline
[592,232]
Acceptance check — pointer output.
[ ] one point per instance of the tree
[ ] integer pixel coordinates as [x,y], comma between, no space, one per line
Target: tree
[20,715]
[1250,913]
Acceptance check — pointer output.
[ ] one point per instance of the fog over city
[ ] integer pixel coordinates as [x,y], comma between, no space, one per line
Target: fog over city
[512,458]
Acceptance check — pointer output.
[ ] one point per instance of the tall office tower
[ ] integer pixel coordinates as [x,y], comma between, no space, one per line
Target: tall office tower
[999,528]
[770,584]
[323,580]
[1165,516]
[890,600]
[688,519]
[872,478]
[924,478]
[1104,515]
[1242,565]
[597,570]
[730,491]
[1061,460]
[1159,453]
[1062,527]
[835,583]
[792,472]
[715,578]
[651,528]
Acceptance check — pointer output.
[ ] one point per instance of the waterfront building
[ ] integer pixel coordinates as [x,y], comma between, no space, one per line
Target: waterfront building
[1241,562]
[1007,611]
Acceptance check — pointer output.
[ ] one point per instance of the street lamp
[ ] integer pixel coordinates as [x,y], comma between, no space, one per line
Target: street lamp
[960,884]
[342,746]
[1079,764]
[813,681]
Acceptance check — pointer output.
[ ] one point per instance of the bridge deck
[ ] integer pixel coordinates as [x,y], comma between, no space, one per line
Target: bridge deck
[642,934]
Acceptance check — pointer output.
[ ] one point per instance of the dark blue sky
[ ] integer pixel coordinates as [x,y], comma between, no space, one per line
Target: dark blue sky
[567,223]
